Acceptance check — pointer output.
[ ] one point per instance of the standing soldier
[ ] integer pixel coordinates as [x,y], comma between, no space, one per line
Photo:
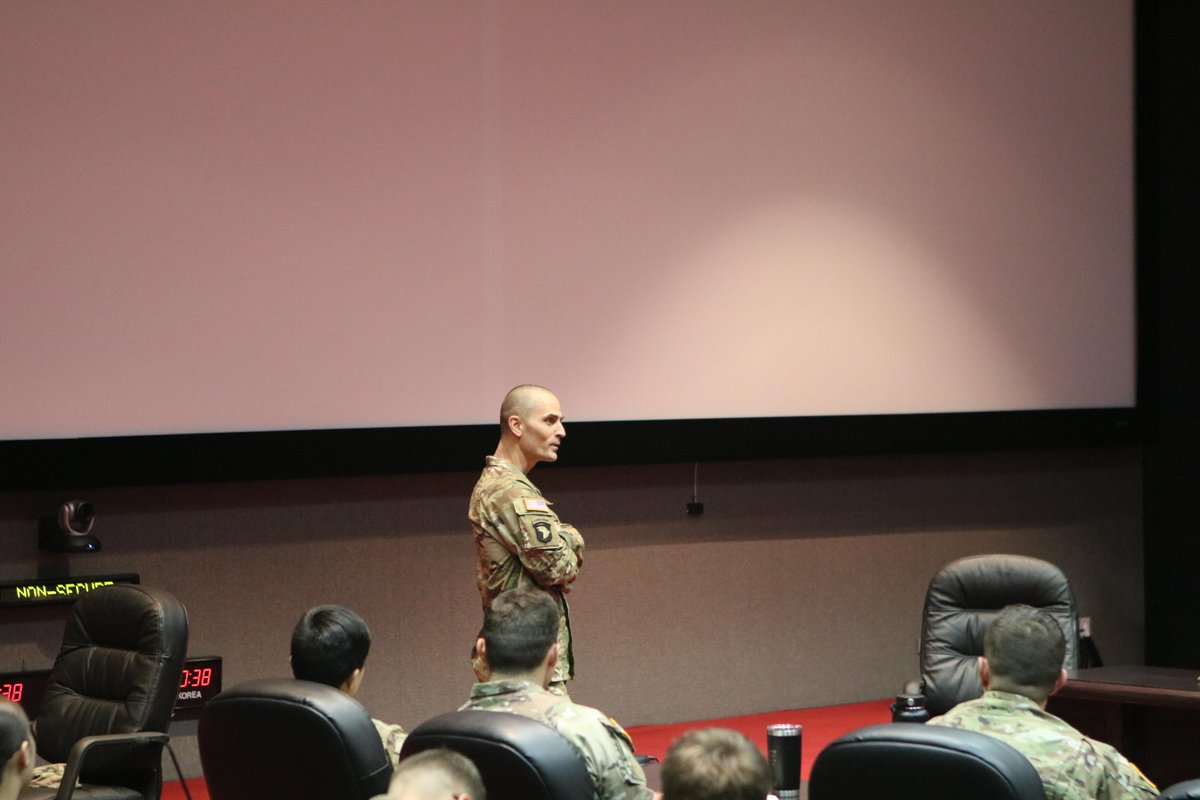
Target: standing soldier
[519,540]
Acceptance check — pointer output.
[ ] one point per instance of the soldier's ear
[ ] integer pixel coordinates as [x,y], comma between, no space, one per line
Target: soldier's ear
[515,425]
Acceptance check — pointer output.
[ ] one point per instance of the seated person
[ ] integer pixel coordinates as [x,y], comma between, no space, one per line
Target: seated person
[330,646]
[715,764]
[17,750]
[519,648]
[1021,666]
[438,774]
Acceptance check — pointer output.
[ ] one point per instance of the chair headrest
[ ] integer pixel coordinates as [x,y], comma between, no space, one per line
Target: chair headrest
[519,758]
[991,582]
[293,738]
[907,760]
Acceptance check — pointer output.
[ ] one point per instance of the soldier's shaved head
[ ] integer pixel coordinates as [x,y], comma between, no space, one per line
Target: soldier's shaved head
[531,427]
[438,774]
[522,401]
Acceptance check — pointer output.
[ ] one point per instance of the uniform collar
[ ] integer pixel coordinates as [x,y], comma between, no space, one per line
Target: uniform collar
[497,688]
[1009,699]
[496,461]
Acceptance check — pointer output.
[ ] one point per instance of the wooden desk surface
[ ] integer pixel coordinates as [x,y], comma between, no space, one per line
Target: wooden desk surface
[1152,686]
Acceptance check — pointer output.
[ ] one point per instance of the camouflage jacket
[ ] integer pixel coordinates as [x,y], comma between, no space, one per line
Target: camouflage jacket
[392,737]
[520,542]
[1072,766]
[606,748]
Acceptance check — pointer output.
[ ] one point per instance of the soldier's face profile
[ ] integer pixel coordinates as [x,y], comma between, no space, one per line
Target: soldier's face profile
[542,430]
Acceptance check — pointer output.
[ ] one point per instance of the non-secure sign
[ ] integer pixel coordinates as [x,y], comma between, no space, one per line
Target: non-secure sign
[56,590]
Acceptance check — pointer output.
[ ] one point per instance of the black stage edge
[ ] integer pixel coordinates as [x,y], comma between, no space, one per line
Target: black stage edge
[272,455]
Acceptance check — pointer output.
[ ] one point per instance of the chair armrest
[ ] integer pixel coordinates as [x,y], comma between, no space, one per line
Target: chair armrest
[81,749]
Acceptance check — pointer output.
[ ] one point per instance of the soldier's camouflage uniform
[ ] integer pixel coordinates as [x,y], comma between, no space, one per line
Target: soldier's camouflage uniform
[604,745]
[49,776]
[1072,766]
[393,737]
[521,542]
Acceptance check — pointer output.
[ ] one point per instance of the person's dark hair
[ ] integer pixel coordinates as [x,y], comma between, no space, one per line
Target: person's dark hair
[1024,648]
[519,629]
[14,729]
[459,771]
[715,764]
[328,644]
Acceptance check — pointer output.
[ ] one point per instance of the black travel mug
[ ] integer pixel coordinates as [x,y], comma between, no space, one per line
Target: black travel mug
[783,754]
[909,708]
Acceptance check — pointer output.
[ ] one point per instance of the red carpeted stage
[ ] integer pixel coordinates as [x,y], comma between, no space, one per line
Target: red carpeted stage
[821,726]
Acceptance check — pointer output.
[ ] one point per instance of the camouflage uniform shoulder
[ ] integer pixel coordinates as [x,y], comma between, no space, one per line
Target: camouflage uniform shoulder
[500,477]
[567,712]
[606,748]
[393,737]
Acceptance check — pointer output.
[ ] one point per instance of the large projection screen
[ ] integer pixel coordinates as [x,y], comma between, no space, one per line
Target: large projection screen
[227,217]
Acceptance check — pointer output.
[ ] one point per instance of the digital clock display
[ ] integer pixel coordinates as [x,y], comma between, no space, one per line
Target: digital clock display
[25,688]
[199,682]
[195,678]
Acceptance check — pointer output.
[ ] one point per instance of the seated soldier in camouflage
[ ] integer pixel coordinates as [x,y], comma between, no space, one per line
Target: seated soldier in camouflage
[330,646]
[1021,667]
[520,647]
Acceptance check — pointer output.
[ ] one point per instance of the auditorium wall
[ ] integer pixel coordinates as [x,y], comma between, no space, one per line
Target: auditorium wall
[800,585]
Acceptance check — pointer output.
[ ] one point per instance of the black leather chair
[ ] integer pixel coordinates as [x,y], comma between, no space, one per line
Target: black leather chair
[111,693]
[519,758]
[916,762]
[962,600]
[284,738]
[1186,790]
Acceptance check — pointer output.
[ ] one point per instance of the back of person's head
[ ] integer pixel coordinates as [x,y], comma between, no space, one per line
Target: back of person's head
[438,774]
[1024,648]
[715,764]
[17,752]
[328,644]
[519,629]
